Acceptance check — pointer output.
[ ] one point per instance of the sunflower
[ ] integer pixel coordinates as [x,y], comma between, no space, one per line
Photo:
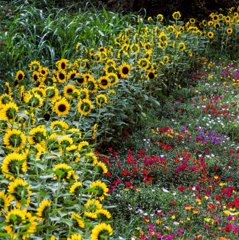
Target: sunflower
[101,231]
[143,63]
[33,100]
[104,82]
[65,141]
[110,69]
[165,60]
[68,91]
[92,85]
[227,19]
[103,213]
[151,75]
[80,79]
[35,76]
[78,219]
[210,23]
[43,209]
[64,172]
[20,75]
[62,64]
[61,77]
[37,135]
[41,91]
[4,203]
[101,167]
[76,188]
[9,89]
[62,107]
[71,75]
[44,71]
[113,78]
[101,100]
[192,20]
[90,157]
[83,93]
[181,46]
[14,139]
[163,45]
[34,65]
[84,145]
[52,93]
[59,125]
[20,218]
[159,17]
[19,191]
[75,133]
[229,31]
[9,111]
[92,205]
[134,48]
[124,70]
[99,190]
[13,165]
[210,34]
[75,236]
[84,107]
[176,15]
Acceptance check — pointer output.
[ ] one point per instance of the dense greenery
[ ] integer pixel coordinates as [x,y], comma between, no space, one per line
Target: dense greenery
[117,126]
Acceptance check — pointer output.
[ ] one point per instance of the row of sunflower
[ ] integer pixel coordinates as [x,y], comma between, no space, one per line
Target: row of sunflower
[49,182]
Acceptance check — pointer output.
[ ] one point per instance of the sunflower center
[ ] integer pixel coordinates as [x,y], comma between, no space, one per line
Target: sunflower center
[62,107]
[125,70]
[72,76]
[80,80]
[63,65]
[151,75]
[20,77]
[61,76]
[35,77]
[104,82]
[69,90]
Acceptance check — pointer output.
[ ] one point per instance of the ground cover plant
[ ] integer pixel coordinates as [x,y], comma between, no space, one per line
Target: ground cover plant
[127,130]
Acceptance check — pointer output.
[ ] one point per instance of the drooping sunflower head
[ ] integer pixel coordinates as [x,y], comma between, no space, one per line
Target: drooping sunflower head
[19,191]
[9,111]
[65,141]
[101,231]
[37,135]
[41,91]
[99,190]
[92,85]
[76,188]
[43,211]
[101,167]
[75,236]
[34,65]
[4,203]
[52,93]
[36,76]
[84,107]
[33,100]
[176,15]
[101,100]
[14,139]
[125,70]
[59,125]
[61,107]
[181,46]
[20,217]
[14,164]
[83,146]
[64,172]
[78,219]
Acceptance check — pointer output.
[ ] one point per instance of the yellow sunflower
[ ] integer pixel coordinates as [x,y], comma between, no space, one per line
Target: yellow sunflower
[80,79]
[4,203]
[83,93]
[113,78]
[151,75]
[59,125]
[9,89]
[61,77]
[9,111]
[35,76]
[229,31]
[103,213]
[33,100]
[62,107]
[101,100]
[64,172]
[101,167]
[20,217]
[19,190]
[76,188]
[71,75]
[99,190]
[37,135]
[52,93]
[84,107]
[124,70]
[14,139]
[68,91]
[75,236]
[101,231]
[20,75]
[176,15]
[13,165]
[43,209]
[44,71]
[92,86]
[181,46]
[78,219]
[210,34]
[62,64]
[34,65]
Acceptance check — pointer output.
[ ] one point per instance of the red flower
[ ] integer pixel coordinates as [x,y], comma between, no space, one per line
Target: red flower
[181,188]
